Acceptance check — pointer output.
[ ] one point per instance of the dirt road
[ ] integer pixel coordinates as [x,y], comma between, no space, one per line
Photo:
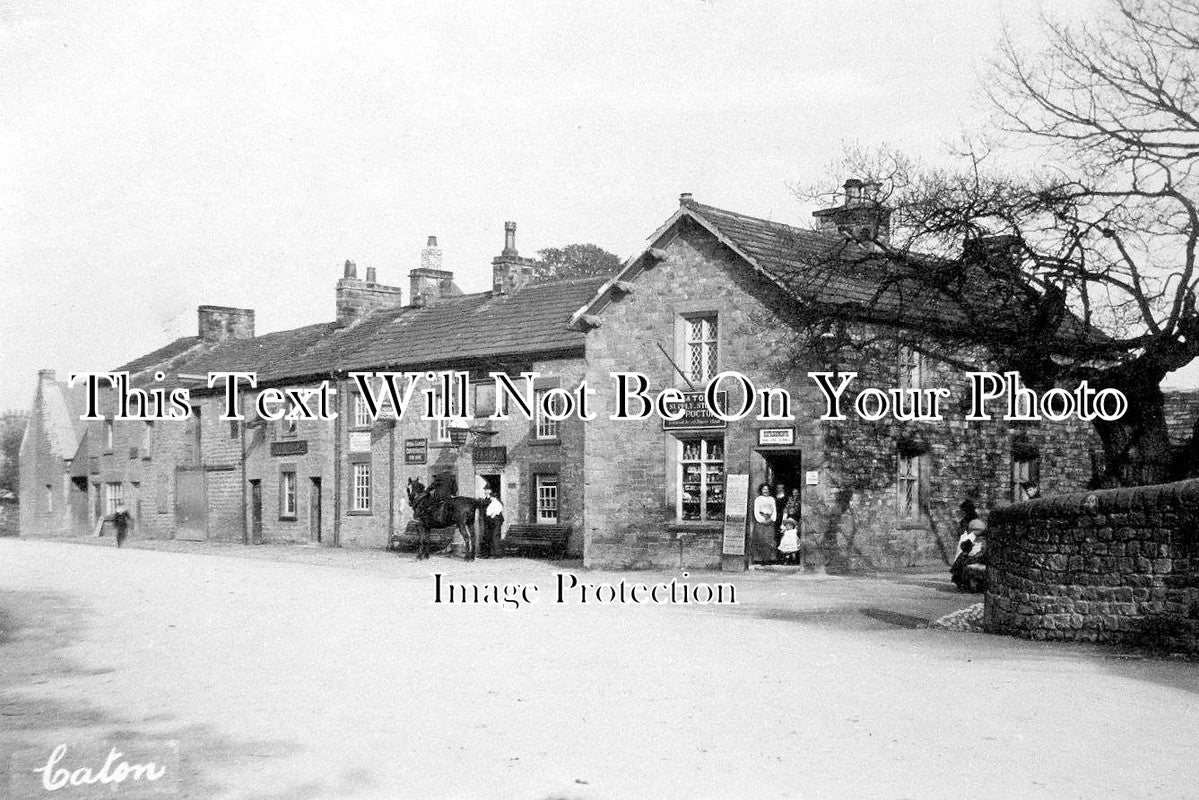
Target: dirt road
[335,676]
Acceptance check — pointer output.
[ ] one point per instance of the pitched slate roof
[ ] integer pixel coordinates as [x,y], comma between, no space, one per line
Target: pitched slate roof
[833,272]
[451,330]
[471,326]
[160,356]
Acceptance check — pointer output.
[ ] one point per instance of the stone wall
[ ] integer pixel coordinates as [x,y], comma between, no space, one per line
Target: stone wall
[1120,566]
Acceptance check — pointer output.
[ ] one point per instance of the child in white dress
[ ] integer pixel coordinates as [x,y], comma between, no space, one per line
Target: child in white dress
[789,543]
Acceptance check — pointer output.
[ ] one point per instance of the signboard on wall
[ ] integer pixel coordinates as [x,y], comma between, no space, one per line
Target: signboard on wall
[289,447]
[776,437]
[416,451]
[491,455]
[696,414]
[360,441]
[736,505]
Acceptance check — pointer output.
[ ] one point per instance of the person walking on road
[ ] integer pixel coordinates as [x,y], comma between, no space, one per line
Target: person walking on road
[120,518]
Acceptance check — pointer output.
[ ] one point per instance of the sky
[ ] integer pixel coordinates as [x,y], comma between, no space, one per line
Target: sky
[155,157]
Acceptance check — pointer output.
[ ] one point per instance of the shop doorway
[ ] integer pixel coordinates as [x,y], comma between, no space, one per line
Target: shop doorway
[775,468]
[314,511]
[256,512]
[493,482]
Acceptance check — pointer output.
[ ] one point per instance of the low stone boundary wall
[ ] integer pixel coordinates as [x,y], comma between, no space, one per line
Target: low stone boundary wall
[1120,565]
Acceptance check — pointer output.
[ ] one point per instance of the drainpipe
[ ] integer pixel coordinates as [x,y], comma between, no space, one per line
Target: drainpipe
[245,508]
[391,481]
[337,467]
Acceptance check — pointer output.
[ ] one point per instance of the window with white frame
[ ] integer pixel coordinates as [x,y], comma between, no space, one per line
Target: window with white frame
[113,493]
[147,438]
[701,348]
[361,483]
[442,431]
[362,415]
[909,368]
[546,428]
[1026,479]
[908,486]
[701,480]
[287,495]
[547,499]
[108,436]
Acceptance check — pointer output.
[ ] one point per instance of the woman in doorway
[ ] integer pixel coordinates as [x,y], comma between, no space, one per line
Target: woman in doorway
[765,517]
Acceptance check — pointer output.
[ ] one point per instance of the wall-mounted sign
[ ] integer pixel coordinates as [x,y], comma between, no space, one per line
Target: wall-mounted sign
[696,414]
[416,451]
[812,477]
[776,436]
[491,455]
[360,441]
[289,447]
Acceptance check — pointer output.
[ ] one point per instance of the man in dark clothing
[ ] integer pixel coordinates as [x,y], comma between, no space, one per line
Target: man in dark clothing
[121,519]
[492,509]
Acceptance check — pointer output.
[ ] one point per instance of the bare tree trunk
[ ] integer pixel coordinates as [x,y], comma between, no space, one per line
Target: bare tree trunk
[1136,447]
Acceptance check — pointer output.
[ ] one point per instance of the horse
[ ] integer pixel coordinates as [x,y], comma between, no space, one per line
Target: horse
[433,511]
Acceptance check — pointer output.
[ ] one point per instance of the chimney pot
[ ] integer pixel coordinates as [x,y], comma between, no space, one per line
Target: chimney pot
[432,242]
[45,374]
[370,275]
[351,269]
[686,199]
[509,239]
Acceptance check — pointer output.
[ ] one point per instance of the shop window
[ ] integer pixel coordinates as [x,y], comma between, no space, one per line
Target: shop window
[909,486]
[546,428]
[1026,479]
[701,480]
[547,499]
[287,495]
[361,483]
[113,493]
[910,368]
[701,348]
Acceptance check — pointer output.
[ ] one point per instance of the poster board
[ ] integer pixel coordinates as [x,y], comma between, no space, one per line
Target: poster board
[735,510]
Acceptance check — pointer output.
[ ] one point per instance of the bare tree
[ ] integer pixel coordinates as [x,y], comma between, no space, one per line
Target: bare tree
[1084,270]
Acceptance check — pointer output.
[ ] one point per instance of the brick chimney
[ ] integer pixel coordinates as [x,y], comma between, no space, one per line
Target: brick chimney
[430,282]
[862,216]
[356,298]
[510,272]
[221,323]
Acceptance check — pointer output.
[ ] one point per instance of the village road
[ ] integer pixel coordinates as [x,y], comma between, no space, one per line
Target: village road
[335,676]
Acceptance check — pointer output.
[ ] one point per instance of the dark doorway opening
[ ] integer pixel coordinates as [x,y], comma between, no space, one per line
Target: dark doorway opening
[314,510]
[784,468]
[256,512]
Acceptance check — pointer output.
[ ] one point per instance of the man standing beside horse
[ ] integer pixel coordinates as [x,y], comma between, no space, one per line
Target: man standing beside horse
[492,543]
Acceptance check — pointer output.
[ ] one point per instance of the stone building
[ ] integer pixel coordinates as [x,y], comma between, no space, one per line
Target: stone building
[713,291]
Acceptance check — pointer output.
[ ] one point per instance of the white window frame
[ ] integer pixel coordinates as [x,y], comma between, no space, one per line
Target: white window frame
[108,436]
[911,368]
[113,493]
[360,485]
[696,338]
[288,487]
[147,438]
[1022,472]
[362,416]
[907,486]
[703,462]
[544,427]
[548,496]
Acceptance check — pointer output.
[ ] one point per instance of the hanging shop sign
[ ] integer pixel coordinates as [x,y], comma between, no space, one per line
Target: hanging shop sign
[696,414]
